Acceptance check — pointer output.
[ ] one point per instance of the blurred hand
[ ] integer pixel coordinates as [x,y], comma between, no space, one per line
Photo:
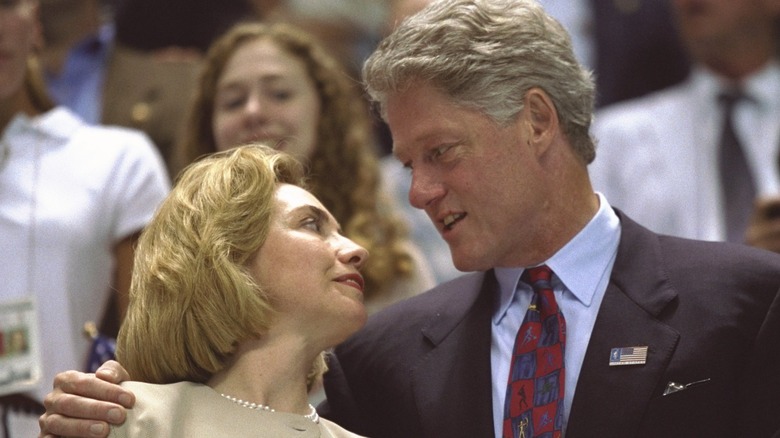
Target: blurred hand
[83,405]
[764,229]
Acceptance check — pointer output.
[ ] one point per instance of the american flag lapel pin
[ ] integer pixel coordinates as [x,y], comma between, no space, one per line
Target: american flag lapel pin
[628,356]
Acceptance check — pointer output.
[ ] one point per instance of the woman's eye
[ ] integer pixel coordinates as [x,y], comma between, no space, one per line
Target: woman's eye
[281,95]
[229,103]
[312,224]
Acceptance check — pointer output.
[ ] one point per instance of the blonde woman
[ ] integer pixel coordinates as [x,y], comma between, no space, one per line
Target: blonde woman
[241,281]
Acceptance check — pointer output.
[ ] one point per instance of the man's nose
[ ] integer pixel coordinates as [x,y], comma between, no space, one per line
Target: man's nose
[425,189]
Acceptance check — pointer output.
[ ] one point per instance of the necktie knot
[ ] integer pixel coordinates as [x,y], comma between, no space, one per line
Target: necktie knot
[729,97]
[538,277]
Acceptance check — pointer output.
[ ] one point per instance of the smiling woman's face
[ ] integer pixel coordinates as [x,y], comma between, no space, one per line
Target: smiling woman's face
[265,94]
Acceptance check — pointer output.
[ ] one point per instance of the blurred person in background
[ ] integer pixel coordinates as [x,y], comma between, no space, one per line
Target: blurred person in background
[702,159]
[96,67]
[74,198]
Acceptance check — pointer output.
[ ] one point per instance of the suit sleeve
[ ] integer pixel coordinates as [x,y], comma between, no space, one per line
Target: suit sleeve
[761,390]
[339,406]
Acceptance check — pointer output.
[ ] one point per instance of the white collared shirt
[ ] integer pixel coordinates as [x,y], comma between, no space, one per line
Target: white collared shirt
[70,193]
[657,156]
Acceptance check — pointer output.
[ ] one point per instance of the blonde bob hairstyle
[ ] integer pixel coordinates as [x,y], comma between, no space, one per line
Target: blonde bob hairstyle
[192,299]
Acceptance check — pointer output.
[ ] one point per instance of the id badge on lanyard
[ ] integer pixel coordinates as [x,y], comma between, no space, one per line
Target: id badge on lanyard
[20,355]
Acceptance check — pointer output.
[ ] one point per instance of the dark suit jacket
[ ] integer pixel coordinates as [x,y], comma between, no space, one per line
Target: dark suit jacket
[637,48]
[705,310]
[149,94]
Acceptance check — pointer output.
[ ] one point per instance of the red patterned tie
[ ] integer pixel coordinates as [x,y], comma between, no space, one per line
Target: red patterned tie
[534,394]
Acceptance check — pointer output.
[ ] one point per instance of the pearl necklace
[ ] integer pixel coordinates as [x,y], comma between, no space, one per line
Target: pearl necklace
[312,416]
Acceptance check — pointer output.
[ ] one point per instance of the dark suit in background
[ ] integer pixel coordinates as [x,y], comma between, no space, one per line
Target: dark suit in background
[637,49]
[422,368]
[149,94]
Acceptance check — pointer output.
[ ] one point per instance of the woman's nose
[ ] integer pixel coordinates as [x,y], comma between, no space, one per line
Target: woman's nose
[352,253]
[256,108]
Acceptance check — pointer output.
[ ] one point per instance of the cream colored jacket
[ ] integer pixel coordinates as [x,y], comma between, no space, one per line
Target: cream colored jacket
[188,409]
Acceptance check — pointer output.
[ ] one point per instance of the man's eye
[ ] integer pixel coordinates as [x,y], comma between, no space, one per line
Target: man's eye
[441,150]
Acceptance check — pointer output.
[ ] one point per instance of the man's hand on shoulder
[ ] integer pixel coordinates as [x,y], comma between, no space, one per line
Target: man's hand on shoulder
[83,405]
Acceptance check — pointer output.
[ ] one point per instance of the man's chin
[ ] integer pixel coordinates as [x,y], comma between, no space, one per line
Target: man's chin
[468,263]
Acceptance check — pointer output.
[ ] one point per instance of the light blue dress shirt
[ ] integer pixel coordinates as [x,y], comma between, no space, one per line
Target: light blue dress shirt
[79,86]
[581,273]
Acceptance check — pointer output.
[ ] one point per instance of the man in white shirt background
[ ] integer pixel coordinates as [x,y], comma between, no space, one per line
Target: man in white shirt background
[659,155]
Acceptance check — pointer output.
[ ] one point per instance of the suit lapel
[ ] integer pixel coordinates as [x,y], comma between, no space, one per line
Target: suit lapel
[611,400]
[452,384]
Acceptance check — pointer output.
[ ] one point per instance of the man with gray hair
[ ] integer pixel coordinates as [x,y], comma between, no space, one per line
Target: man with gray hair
[490,111]
[577,320]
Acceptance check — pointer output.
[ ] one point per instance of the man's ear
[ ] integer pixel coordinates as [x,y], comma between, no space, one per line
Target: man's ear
[541,119]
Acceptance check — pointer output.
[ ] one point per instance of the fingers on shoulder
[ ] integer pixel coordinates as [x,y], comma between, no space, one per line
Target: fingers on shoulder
[53,425]
[90,386]
[112,371]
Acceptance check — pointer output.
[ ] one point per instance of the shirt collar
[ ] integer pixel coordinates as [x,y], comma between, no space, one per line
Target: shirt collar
[58,122]
[760,86]
[580,265]
[97,44]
